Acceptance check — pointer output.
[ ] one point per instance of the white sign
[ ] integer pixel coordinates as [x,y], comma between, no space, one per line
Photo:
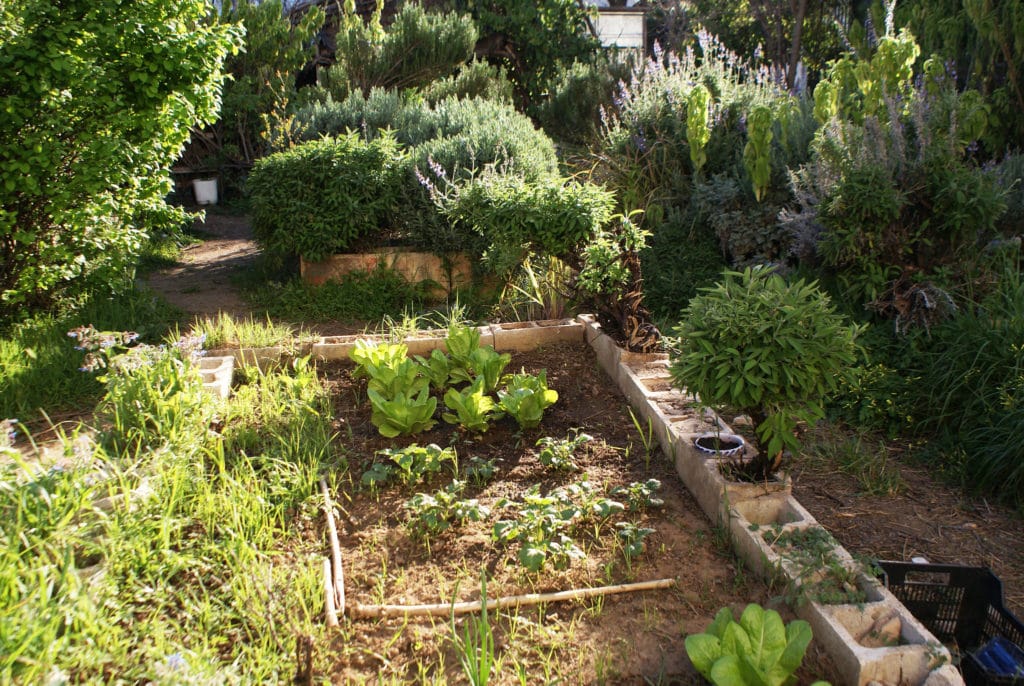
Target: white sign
[620,29]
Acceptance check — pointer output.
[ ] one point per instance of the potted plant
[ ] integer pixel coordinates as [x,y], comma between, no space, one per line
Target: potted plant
[770,349]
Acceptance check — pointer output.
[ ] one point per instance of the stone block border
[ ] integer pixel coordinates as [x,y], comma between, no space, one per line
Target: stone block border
[847,632]
[217,372]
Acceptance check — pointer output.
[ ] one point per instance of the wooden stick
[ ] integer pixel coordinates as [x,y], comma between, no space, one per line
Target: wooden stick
[332,532]
[441,609]
[329,609]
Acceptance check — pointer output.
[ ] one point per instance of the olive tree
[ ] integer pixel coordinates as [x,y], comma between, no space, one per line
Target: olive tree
[97,100]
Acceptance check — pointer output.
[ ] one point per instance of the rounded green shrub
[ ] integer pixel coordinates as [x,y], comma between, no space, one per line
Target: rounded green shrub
[771,349]
[477,79]
[572,109]
[549,216]
[322,196]
[461,135]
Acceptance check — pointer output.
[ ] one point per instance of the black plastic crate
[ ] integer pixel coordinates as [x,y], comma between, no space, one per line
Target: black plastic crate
[962,606]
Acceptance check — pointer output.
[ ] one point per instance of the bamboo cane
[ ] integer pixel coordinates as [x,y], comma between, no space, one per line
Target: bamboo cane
[444,609]
[329,597]
[332,532]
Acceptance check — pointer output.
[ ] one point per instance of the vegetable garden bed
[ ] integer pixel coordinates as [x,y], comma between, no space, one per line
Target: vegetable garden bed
[622,638]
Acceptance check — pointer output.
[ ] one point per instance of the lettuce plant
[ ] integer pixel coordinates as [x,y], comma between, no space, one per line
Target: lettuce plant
[526,397]
[403,414]
[471,408]
[759,650]
[404,377]
[488,365]
[461,342]
[437,368]
[367,354]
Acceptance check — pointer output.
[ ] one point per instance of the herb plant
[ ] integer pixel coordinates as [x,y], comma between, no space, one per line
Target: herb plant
[768,348]
[415,463]
[544,524]
[821,575]
[632,538]
[557,453]
[429,515]
[639,496]
[480,471]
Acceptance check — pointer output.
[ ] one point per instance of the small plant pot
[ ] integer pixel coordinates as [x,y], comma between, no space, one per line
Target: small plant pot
[720,444]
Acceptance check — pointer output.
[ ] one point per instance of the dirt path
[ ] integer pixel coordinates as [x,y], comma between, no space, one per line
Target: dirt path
[925,518]
[201,283]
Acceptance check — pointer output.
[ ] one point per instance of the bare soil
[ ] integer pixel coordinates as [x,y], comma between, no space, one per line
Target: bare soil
[926,518]
[201,283]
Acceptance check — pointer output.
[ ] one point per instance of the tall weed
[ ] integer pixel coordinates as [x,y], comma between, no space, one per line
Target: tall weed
[39,367]
[204,581]
[971,395]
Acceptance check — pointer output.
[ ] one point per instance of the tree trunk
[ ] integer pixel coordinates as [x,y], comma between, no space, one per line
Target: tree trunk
[799,8]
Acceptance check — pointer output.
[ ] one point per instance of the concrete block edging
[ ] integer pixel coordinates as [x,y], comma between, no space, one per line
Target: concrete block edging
[918,659]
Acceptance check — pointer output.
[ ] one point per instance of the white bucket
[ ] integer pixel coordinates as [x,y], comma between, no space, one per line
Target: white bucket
[205,190]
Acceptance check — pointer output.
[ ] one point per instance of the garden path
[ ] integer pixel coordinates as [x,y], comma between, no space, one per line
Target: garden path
[200,284]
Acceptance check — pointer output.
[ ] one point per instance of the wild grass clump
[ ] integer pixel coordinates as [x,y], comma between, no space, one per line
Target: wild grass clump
[39,367]
[225,330]
[971,394]
[193,568]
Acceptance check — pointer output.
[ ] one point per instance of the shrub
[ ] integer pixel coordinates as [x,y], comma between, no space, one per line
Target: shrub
[544,36]
[473,134]
[416,49]
[480,132]
[411,122]
[891,193]
[768,348]
[91,124]
[262,76]
[552,217]
[572,109]
[682,256]
[477,79]
[679,121]
[321,197]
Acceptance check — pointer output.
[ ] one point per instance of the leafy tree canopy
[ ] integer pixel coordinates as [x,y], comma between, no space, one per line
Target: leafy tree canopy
[97,100]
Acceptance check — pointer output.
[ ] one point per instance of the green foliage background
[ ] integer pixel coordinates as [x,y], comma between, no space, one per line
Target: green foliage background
[98,99]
